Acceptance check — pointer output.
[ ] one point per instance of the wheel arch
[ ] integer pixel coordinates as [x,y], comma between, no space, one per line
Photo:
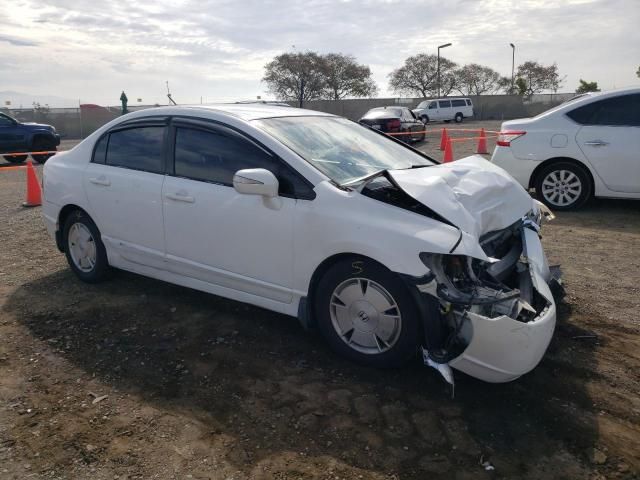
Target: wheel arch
[41,135]
[551,161]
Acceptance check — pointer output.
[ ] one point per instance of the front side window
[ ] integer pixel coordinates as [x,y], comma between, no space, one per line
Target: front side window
[433,105]
[444,104]
[214,156]
[617,111]
[343,150]
[138,148]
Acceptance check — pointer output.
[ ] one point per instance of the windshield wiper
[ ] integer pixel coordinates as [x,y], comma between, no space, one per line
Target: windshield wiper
[366,179]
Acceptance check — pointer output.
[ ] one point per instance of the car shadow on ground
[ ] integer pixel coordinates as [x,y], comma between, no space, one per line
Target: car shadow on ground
[224,361]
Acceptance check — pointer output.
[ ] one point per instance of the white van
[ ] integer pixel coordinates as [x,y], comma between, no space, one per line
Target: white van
[444,109]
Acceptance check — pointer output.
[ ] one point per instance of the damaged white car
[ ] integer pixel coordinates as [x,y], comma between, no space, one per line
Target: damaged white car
[385,251]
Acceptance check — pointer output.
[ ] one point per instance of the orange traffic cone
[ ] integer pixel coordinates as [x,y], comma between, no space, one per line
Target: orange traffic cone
[482,143]
[443,139]
[448,152]
[34,195]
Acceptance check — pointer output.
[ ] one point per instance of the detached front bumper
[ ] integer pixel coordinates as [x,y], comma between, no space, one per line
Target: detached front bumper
[487,339]
[502,349]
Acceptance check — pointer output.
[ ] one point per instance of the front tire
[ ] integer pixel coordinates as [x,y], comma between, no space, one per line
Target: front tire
[563,186]
[425,119]
[42,145]
[366,313]
[84,249]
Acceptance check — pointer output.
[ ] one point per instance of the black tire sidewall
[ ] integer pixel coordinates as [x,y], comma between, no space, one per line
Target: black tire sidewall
[459,117]
[101,268]
[16,159]
[425,119]
[354,267]
[42,145]
[580,172]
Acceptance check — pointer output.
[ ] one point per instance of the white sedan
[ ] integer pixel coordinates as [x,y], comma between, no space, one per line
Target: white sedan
[589,146]
[385,251]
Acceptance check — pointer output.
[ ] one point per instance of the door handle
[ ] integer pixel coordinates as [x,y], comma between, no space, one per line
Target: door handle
[102,180]
[596,143]
[180,197]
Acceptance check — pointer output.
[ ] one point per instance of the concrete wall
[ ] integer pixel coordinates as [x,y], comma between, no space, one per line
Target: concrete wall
[80,122]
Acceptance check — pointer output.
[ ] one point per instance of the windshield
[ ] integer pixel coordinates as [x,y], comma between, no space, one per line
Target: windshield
[341,149]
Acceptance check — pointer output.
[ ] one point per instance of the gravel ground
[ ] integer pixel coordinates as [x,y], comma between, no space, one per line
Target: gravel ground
[135,378]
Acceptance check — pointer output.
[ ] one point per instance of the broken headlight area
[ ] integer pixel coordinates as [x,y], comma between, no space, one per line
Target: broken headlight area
[462,285]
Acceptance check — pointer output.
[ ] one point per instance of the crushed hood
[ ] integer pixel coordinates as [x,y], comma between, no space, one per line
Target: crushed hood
[473,194]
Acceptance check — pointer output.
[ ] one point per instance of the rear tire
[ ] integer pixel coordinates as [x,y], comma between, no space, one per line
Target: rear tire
[84,249]
[459,117]
[14,159]
[563,186]
[366,314]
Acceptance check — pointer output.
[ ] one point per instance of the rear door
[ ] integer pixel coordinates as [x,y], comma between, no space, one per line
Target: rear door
[12,137]
[444,110]
[610,140]
[123,183]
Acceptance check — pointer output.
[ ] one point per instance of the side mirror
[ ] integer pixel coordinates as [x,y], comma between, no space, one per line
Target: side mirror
[256,181]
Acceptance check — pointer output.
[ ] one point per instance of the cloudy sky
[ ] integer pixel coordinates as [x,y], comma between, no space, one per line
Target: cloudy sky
[216,49]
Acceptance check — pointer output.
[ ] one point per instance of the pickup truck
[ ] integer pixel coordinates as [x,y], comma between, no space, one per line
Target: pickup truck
[16,137]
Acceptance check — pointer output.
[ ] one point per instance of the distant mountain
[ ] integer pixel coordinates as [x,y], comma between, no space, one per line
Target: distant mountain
[25,100]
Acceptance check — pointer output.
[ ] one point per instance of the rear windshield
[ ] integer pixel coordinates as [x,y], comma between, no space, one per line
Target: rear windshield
[383,112]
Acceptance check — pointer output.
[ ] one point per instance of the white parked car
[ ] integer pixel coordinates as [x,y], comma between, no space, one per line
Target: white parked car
[444,110]
[317,217]
[589,146]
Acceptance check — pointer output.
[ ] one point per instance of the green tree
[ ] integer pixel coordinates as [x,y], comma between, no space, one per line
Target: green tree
[295,76]
[474,79]
[538,78]
[419,76]
[586,87]
[344,77]
[521,86]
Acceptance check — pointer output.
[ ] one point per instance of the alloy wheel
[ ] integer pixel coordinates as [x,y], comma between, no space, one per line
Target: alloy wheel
[561,188]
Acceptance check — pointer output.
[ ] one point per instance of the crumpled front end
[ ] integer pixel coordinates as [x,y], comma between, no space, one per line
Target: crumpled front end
[496,318]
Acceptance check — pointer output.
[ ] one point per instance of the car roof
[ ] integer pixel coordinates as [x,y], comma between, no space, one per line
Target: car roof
[245,111]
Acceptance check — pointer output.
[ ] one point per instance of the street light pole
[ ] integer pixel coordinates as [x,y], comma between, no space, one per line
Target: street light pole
[513,63]
[438,64]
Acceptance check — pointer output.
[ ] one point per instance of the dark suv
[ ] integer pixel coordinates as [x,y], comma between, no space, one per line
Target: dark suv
[16,137]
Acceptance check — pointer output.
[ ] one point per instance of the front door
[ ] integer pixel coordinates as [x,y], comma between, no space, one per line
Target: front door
[123,183]
[610,139]
[215,234]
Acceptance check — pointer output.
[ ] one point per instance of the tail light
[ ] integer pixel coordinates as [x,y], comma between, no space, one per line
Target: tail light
[506,137]
[394,123]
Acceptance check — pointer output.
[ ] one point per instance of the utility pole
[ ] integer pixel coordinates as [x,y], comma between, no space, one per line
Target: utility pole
[301,92]
[438,64]
[513,65]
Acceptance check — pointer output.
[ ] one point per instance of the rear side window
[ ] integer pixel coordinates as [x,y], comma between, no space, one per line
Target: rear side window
[444,104]
[468,102]
[458,103]
[100,151]
[137,148]
[617,111]
[215,157]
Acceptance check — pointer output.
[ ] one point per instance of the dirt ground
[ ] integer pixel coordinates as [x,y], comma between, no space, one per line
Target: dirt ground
[136,378]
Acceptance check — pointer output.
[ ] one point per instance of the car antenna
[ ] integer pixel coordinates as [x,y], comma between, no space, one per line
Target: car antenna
[169,94]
